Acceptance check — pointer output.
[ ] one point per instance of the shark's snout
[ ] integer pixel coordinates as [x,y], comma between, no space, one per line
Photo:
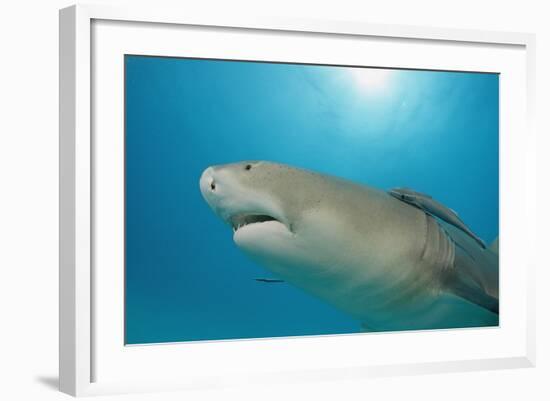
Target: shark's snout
[221,191]
[216,191]
[230,194]
[207,183]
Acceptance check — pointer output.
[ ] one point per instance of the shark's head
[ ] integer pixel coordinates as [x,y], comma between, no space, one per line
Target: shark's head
[270,207]
[250,196]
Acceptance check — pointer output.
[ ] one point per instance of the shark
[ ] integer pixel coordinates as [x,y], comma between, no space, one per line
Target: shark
[394,260]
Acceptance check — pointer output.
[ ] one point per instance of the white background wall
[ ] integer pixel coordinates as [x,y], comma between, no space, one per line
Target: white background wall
[29,185]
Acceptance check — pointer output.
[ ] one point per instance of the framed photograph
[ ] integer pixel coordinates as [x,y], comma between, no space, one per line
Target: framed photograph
[268,200]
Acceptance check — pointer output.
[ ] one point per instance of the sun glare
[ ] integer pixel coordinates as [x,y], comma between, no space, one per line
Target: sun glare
[371,78]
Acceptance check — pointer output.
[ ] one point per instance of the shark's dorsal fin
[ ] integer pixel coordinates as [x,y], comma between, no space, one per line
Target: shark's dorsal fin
[434,208]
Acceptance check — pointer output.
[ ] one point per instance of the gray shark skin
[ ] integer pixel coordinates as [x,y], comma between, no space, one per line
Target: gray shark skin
[385,262]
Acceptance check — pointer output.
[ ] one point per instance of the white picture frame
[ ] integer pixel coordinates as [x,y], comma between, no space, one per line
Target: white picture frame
[91,41]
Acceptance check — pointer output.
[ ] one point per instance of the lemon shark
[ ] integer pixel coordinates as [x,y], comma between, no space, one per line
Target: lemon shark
[391,263]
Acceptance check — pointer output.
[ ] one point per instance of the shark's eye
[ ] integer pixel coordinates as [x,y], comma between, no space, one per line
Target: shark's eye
[248,167]
[213,186]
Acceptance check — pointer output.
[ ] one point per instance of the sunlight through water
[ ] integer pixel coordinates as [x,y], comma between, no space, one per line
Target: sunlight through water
[371,78]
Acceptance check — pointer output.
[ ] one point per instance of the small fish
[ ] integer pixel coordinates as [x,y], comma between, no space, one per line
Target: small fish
[269,280]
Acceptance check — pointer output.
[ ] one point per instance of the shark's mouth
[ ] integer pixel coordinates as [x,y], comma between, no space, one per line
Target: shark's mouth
[242,220]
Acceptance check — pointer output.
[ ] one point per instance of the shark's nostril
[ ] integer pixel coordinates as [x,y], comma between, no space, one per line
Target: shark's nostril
[208,185]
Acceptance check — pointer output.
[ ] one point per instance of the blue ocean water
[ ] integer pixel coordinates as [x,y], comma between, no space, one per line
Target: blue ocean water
[434,132]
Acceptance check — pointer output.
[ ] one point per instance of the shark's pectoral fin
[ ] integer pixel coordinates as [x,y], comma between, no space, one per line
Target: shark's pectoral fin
[457,268]
[469,289]
[477,296]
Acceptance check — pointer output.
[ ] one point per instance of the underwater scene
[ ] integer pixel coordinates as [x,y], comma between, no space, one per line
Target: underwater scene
[277,199]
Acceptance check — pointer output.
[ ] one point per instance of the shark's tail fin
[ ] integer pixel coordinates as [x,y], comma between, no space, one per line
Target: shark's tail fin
[494,246]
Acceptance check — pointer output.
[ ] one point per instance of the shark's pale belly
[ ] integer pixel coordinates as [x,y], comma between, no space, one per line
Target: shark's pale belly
[383,287]
[384,305]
